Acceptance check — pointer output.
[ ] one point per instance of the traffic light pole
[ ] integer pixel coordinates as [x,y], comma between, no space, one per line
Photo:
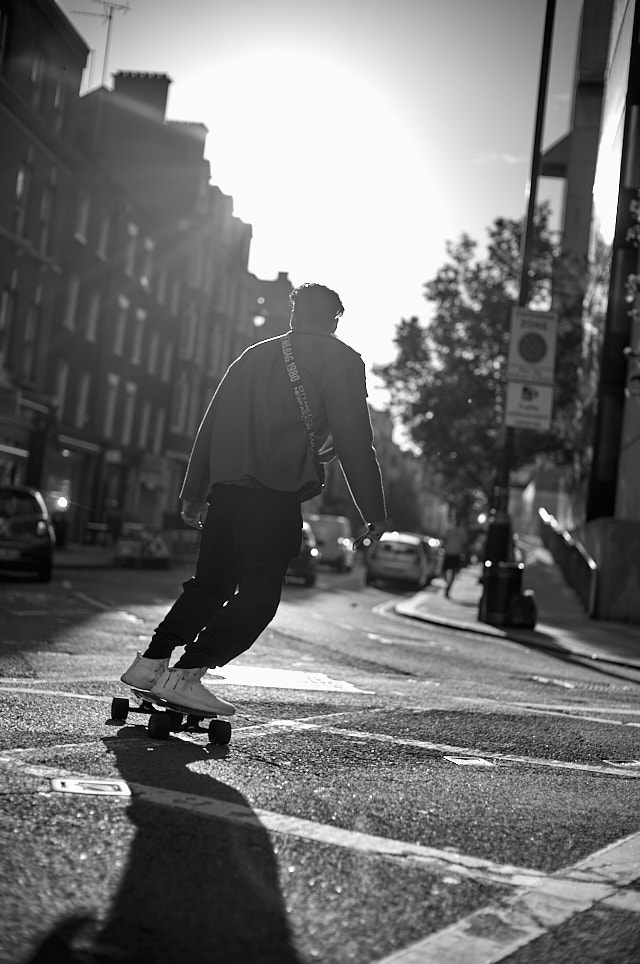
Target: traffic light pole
[498,547]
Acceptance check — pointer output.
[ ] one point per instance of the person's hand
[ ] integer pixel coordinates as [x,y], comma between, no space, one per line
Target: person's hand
[373,533]
[192,513]
[375,529]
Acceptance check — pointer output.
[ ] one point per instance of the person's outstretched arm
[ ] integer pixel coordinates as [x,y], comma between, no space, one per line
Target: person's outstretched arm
[348,415]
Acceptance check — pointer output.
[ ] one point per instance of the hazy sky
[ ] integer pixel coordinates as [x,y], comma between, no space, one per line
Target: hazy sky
[356,136]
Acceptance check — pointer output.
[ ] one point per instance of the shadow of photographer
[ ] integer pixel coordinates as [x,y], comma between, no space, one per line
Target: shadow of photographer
[201,882]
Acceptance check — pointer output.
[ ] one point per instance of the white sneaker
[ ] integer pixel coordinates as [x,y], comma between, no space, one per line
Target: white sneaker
[183,687]
[144,672]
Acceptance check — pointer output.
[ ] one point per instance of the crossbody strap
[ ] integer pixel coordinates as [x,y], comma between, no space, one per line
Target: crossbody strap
[298,390]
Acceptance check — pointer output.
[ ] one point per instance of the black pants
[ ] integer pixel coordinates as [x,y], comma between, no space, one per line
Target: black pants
[248,539]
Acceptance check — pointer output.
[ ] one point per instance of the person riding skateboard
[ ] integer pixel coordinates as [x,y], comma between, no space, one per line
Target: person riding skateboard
[284,407]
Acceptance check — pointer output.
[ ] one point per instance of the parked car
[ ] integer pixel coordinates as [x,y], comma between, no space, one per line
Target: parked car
[305,565]
[334,540]
[399,557]
[27,537]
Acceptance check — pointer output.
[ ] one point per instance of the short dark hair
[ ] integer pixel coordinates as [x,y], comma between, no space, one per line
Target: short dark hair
[316,305]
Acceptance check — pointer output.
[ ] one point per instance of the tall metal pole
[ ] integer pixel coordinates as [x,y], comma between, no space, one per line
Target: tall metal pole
[105,62]
[499,534]
[108,7]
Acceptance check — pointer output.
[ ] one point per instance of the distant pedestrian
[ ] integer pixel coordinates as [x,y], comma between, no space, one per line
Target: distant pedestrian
[455,546]
[284,407]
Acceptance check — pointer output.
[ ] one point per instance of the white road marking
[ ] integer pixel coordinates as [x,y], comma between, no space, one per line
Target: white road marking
[618,769]
[495,932]
[282,679]
[93,602]
[445,748]
[562,707]
[469,761]
[444,861]
[628,900]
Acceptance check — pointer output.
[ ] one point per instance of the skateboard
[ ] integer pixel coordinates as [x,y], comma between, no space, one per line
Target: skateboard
[165,717]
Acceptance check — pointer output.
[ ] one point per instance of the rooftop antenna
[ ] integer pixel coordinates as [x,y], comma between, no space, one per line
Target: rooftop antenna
[108,9]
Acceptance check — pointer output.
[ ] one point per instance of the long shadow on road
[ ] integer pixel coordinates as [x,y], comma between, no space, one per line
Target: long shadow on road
[196,888]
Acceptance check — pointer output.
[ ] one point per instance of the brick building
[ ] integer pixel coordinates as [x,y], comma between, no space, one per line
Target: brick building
[124,288]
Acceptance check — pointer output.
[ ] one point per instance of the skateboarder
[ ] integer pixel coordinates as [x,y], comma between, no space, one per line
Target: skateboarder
[283,408]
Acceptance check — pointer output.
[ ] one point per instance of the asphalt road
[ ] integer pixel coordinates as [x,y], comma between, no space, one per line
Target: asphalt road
[393,791]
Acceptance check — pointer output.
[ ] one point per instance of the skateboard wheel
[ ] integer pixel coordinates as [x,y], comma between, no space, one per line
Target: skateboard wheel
[220,732]
[119,708]
[175,719]
[159,726]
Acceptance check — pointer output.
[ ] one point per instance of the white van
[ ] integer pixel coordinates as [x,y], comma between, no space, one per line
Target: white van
[334,540]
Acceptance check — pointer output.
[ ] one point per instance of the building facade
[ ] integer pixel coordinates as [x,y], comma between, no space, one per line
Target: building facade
[124,287]
[600,160]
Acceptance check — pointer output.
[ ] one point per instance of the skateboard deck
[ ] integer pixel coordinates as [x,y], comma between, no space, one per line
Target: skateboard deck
[165,717]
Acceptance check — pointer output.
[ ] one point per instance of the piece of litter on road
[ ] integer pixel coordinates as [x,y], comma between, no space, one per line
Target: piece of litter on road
[104,788]
[465,761]
[623,763]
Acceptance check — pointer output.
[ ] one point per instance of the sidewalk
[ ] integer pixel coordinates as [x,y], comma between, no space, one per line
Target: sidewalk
[562,626]
[76,556]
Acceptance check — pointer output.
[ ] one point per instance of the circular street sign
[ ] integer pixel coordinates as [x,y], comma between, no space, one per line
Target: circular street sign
[532,347]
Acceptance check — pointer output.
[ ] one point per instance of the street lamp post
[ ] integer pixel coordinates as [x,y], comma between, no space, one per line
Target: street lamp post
[499,531]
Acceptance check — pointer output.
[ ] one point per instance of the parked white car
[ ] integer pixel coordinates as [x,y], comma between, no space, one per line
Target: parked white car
[400,557]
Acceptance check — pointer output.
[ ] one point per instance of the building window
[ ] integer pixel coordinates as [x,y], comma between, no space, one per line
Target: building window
[120,327]
[82,401]
[102,248]
[147,265]
[6,309]
[93,314]
[36,79]
[188,331]
[23,184]
[71,302]
[62,380]
[82,217]
[111,402]
[196,268]
[154,352]
[46,216]
[129,410]
[166,363]
[158,433]
[145,422]
[161,293]
[195,408]
[180,403]
[4,20]
[59,105]
[30,336]
[175,298]
[138,337]
[215,352]
[130,250]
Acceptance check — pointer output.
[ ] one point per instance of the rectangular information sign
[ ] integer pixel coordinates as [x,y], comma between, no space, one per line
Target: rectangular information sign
[529,406]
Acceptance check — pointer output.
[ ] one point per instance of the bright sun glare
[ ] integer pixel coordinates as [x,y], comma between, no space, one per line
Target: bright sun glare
[306,142]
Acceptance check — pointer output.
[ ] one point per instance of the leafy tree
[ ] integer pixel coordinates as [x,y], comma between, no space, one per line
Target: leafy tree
[447,383]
